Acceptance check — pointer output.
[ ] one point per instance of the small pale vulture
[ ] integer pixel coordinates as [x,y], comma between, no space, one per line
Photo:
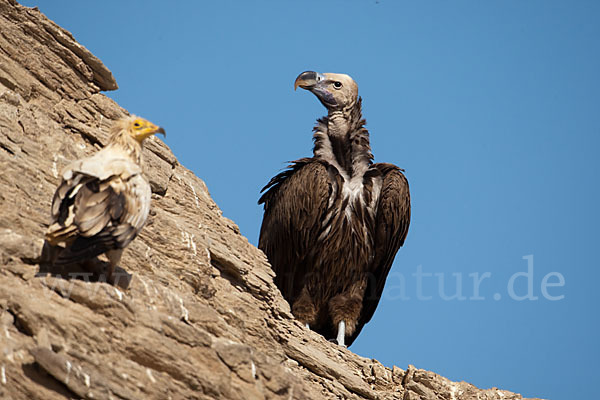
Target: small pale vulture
[103,200]
[334,222]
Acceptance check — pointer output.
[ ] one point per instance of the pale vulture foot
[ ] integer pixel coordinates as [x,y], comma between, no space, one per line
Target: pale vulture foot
[341,336]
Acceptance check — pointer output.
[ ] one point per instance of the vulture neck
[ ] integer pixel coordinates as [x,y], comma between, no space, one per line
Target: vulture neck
[121,141]
[342,140]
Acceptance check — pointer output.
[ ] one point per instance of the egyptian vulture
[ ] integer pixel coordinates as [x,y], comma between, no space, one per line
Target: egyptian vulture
[333,222]
[103,200]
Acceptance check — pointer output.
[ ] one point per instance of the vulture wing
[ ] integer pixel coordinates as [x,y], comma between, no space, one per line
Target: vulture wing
[295,202]
[101,204]
[391,228]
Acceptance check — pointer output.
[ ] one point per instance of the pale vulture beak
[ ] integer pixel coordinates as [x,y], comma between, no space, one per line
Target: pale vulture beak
[315,82]
[308,79]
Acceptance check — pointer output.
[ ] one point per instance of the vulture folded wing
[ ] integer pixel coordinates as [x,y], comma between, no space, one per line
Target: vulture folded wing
[295,204]
[392,222]
[95,210]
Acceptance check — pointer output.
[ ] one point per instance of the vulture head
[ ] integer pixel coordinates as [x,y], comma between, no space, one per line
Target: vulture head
[138,128]
[335,91]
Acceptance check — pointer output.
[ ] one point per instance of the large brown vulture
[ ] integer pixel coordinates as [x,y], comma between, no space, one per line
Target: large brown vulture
[103,200]
[334,222]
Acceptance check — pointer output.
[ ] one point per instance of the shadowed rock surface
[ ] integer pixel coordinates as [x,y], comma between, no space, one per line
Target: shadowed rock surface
[201,317]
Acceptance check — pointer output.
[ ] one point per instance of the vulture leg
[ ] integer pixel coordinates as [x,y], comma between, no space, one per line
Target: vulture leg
[345,309]
[341,333]
[114,256]
[304,309]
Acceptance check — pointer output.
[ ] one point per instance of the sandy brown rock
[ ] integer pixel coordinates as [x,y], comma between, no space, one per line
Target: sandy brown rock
[201,317]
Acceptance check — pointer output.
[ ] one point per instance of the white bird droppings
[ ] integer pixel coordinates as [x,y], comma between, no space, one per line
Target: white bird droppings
[184,311]
[195,195]
[3,375]
[194,249]
[149,373]
[188,240]
[69,366]
[146,288]
[55,166]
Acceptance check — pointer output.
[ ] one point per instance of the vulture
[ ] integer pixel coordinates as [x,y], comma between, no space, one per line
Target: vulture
[333,222]
[102,201]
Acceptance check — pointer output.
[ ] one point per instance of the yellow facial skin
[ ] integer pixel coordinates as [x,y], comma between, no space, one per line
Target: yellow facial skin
[141,129]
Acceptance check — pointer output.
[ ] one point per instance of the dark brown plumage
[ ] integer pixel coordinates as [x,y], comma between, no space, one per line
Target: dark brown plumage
[334,222]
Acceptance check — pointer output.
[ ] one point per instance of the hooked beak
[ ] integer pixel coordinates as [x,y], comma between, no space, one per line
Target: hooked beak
[308,80]
[316,83]
[149,130]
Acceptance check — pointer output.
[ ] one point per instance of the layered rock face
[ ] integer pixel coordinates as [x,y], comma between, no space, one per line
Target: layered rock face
[200,318]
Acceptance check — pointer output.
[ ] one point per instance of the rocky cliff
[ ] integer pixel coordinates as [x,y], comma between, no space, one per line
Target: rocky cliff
[200,317]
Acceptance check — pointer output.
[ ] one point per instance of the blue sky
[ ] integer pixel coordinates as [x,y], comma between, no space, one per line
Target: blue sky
[493,109]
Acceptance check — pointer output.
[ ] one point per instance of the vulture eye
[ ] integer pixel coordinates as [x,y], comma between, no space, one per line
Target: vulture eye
[137,124]
[337,85]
